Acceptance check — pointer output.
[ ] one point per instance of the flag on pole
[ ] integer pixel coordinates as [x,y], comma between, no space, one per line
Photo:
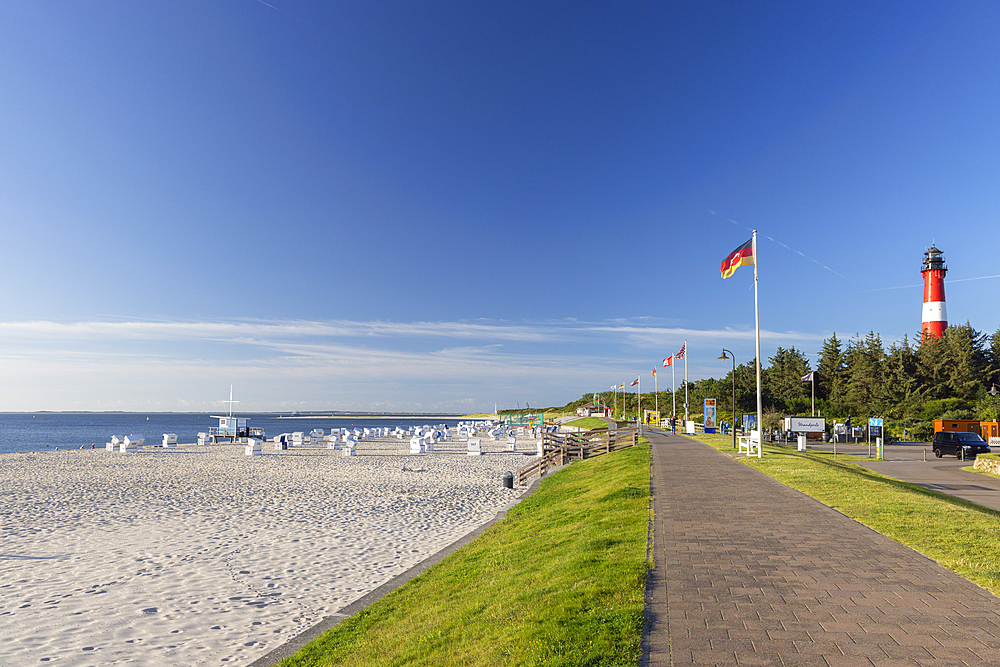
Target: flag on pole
[613,387]
[809,377]
[680,355]
[742,256]
[623,386]
[669,361]
[635,383]
[654,372]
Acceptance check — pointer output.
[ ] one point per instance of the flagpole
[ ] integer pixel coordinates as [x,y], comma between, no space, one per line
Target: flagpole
[656,396]
[813,377]
[673,388]
[686,382]
[756,313]
[638,402]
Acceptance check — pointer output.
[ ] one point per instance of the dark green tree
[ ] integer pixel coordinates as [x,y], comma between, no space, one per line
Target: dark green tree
[932,367]
[967,360]
[995,357]
[902,390]
[783,377]
[830,372]
[865,375]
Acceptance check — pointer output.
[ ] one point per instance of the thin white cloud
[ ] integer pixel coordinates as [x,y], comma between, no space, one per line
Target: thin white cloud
[158,365]
[254,332]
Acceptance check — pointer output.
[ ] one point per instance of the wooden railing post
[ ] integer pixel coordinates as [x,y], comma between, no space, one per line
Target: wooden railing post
[571,447]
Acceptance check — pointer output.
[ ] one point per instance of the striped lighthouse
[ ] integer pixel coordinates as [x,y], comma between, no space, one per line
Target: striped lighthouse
[935,312]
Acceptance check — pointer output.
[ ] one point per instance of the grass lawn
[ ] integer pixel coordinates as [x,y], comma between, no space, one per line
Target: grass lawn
[959,535]
[559,582]
[588,423]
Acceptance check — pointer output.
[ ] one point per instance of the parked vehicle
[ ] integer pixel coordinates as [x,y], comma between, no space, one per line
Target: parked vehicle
[959,443]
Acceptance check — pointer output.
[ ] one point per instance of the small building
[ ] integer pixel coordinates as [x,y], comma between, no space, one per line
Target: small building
[989,430]
[961,425]
[593,410]
[234,429]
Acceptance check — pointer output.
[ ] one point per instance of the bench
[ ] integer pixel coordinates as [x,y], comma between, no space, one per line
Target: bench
[749,444]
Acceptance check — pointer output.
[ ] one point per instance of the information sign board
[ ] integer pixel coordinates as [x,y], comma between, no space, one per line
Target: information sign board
[709,414]
[805,424]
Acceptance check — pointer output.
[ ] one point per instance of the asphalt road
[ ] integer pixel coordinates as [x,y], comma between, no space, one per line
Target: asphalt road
[914,462]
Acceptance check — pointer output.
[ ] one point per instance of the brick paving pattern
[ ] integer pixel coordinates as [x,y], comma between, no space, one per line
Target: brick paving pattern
[749,571]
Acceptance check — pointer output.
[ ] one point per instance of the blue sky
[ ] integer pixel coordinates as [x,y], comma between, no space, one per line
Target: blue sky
[442,206]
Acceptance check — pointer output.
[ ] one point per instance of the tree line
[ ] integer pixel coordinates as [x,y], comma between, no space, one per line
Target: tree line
[910,384]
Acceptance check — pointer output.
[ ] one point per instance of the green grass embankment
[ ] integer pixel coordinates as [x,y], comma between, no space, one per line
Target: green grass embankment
[961,536]
[589,423]
[560,581]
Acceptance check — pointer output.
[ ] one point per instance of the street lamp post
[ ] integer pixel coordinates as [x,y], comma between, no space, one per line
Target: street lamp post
[732,426]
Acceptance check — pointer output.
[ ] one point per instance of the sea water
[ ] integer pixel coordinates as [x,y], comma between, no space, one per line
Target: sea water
[44,431]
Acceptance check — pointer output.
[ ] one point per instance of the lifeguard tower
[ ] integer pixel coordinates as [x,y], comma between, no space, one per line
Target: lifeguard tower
[233,429]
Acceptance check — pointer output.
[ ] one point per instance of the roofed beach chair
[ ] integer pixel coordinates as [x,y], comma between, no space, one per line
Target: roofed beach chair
[253,447]
[131,444]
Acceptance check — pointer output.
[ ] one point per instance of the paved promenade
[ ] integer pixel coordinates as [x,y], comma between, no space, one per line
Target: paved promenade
[748,571]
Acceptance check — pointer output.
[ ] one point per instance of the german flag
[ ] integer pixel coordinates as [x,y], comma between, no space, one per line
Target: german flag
[742,256]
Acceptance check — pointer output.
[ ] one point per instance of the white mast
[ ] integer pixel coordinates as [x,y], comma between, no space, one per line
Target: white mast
[686,380]
[756,314]
[638,401]
[230,401]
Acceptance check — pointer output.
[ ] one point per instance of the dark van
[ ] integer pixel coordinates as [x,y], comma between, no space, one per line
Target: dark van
[959,443]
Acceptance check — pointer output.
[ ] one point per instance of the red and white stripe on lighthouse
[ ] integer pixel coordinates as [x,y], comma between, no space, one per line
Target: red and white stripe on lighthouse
[935,312]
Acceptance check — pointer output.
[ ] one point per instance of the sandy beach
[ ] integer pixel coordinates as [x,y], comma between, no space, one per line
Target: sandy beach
[202,555]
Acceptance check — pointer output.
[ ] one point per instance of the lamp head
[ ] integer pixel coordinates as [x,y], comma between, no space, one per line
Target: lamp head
[723,355]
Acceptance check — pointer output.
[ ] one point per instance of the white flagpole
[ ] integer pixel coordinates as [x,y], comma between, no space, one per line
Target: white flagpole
[812,376]
[756,311]
[638,402]
[655,395]
[685,381]
[673,388]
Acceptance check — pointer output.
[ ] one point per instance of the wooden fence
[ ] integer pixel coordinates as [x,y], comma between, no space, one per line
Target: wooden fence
[560,448]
